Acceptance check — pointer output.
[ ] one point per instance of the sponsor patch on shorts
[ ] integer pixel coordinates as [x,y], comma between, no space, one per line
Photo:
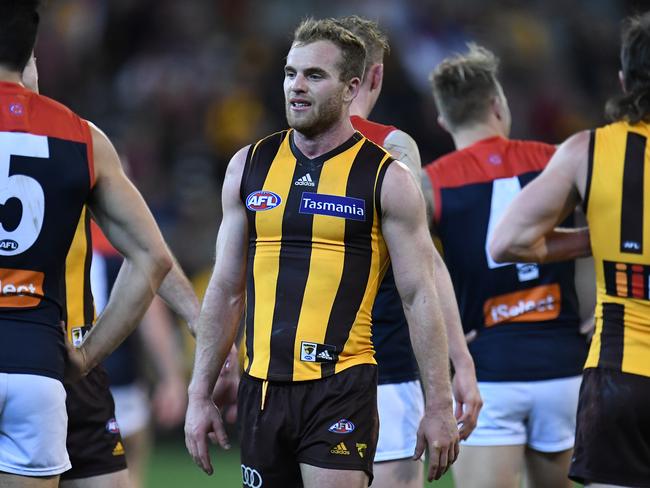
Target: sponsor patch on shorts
[342,426]
[340,449]
[112,427]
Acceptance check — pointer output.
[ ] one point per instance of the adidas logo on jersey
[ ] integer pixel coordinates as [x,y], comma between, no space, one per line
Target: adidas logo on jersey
[325,355]
[340,449]
[305,181]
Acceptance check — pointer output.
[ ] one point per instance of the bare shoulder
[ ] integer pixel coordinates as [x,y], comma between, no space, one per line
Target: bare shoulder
[570,161]
[234,173]
[400,192]
[404,148]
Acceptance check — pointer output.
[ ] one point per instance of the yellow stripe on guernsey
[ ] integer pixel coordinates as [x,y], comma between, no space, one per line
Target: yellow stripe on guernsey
[618,212]
[269,225]
[75,276]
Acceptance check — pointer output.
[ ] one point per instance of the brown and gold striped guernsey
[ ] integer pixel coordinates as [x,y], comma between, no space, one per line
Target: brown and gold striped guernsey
[619,222]
[79,306]
[316,257]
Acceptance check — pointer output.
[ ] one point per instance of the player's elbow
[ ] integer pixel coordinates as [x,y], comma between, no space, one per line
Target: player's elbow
[160,262]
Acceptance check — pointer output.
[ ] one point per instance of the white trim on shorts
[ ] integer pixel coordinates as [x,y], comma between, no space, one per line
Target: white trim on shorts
[400,406]
[539,414]
[33,425]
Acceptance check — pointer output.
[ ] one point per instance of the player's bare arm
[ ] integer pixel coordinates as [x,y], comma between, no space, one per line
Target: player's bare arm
[527,230]
[464,383]
[176,290]
[123,216]
[411,250]
[402,147]
[221,312]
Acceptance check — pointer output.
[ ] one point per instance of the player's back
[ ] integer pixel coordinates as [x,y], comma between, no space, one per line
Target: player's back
[619,218]
[526,315]
[46,175]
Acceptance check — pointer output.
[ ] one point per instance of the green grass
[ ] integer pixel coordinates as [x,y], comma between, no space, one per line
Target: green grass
[172,467]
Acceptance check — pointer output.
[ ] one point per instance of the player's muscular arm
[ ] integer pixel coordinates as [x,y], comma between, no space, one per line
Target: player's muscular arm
[527,230]
[176,290]
[411,250]
[221,312]
[122,214]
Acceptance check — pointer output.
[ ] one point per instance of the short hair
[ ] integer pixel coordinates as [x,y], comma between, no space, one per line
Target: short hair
[634,105]
[19,21]
[353,52]
[374,39]
[464,84]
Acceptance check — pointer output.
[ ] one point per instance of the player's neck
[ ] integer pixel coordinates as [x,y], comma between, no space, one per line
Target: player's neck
[10,76]
[314,146]
[471,135]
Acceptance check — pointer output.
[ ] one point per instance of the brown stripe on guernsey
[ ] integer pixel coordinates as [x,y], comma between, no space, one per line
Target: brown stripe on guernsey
[632,203]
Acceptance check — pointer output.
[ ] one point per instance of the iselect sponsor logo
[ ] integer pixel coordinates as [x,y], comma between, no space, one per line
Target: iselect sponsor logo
[333,205]
[532,305]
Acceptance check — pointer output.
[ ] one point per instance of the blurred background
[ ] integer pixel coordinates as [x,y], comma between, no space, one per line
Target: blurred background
[179,86]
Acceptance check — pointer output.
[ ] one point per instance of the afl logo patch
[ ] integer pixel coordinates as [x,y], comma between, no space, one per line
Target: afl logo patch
[261,200]
[343,426]
[112,427]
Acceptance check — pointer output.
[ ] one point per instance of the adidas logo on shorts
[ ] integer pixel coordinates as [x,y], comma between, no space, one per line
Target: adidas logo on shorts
[340,449]
[305,181]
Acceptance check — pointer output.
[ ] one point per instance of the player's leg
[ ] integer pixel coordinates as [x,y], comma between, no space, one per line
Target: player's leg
[15,481]
[400,406]
[33,425]
[493,455]
[600,485]
[551,432]
[118,479]
[489,466]
[315,477]
[404,473]
[547,469]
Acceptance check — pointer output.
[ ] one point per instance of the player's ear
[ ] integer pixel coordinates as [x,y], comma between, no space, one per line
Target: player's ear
[442,123]
[352,89]
[496,104]
[376,76]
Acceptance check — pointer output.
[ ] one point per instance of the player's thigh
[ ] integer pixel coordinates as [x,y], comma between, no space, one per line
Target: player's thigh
[118,479]
[403,473]
[15,481]
[315,477]
[547,469]
[489,466]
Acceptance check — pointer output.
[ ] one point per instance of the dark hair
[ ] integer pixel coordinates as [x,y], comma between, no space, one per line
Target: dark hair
[353,52]
[634,104]
[373,38]
[464,84]
[18,27]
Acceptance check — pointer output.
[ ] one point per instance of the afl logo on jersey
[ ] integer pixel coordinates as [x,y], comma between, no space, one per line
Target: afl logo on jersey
[261,200]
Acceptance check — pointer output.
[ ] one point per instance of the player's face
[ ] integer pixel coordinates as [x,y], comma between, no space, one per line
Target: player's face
[313,91]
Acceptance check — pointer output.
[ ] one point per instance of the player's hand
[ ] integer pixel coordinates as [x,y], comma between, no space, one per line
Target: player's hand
[169,402]
[76,364]
[438,433]
[468,400]
[203,421]
[224,394]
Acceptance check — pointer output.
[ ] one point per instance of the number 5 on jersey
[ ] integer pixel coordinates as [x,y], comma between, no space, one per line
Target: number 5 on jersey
[22,202]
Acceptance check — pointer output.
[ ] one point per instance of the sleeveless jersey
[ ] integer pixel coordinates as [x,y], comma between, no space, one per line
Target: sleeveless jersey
[46,169]
[619,220]
[390,335]
[316,257]
[526,315]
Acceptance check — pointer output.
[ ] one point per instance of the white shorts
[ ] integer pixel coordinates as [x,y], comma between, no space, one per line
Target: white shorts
[401,406]
[132,410]
[539,414]
[33,425]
